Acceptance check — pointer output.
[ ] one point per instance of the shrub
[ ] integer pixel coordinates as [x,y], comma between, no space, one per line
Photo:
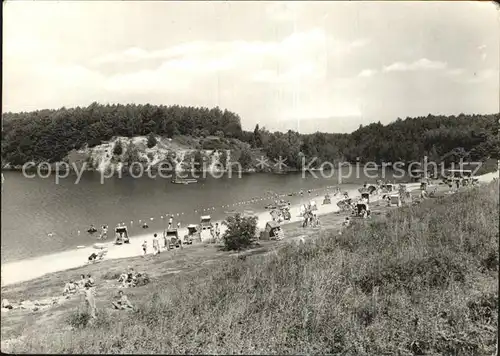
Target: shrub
[78,319]
[245,159]
[118,149]
[240,232]
[223,158]
[152,140]
[204,133]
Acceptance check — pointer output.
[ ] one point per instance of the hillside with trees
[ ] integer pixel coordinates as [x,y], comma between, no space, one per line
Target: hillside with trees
[50,135]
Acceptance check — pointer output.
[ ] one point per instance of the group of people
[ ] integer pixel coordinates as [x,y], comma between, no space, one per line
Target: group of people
[87,286]
[133,279]
[103,234]
[310,219]
[280,215]
[156,240]
[73,287]
[215,232]
[156,245]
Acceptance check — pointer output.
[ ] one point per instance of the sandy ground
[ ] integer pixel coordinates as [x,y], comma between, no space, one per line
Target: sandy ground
[28,269]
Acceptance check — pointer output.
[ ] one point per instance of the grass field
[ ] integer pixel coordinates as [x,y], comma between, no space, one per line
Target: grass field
[419,280]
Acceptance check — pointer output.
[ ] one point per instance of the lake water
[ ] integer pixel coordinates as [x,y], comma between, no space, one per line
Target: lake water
[34,207]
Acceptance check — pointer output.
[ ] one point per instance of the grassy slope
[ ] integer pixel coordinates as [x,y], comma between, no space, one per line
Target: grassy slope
[422,280]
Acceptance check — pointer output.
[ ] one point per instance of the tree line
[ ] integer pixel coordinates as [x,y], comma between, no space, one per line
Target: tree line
[49,135]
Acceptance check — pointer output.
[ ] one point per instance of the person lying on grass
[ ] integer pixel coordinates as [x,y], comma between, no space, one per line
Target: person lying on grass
[122,303]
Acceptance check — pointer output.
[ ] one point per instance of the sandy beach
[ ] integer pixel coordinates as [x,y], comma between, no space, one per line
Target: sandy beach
[28,269]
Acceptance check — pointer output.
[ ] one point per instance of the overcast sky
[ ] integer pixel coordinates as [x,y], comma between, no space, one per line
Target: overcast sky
[306,65]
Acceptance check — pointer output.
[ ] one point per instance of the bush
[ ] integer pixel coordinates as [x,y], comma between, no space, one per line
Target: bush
[78,319]
[132,154]
[223,158]
[118,149]
[152,140]
[240,232]
[204,133]
[245,159]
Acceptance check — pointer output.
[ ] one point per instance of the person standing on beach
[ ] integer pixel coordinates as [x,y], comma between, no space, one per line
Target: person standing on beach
[217,231]
[156,245]
[144,248]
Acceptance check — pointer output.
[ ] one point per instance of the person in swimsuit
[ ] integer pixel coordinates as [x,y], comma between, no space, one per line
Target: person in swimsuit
[156,245]
[90,301]
[123,302]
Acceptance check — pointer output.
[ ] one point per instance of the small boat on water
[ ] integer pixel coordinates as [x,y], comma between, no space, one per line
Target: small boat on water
[184,181]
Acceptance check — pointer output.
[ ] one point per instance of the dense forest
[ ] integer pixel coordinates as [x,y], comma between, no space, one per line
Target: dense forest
[51,134]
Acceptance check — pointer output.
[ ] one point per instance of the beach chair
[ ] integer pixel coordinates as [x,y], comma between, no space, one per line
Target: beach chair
[372,189]
[345,204]
[269,231]
[361,209]
[394,200]
[173,240]
[192,234]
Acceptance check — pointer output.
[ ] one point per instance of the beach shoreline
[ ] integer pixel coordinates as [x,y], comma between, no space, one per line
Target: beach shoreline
[29,269]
